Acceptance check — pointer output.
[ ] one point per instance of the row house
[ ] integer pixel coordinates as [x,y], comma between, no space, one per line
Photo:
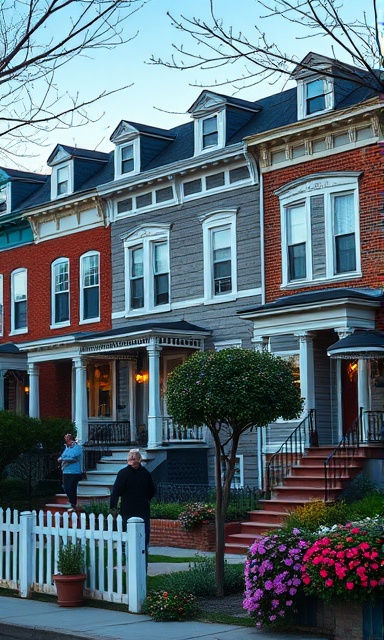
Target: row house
[254,225]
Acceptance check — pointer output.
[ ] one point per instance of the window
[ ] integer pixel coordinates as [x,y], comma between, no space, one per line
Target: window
[60,291]
[297,234]
[147,269]
[1,307]
[219,238]
[19,301]
[217,180]
[127,159]
[210,132]
[238,478]
[90,287]
[62,180]
[344,233]
[314,95]
[99,390]
[4,191]
[149,199]
[320,228]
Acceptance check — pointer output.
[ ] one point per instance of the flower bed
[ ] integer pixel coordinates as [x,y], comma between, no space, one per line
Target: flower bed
[335,565]
[170,533]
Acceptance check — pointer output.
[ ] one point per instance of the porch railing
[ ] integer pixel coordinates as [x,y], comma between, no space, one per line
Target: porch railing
[291,451]
[173,432]
[367,428]
[107,433]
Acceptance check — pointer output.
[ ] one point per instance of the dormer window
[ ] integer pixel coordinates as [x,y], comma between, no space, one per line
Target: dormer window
[314,96]
[3,198]
[62,180]
[210,132]
[127,159]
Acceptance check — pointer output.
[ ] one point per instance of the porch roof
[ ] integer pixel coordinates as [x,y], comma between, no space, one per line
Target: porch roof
[179,327]
[9,347]
[361,344]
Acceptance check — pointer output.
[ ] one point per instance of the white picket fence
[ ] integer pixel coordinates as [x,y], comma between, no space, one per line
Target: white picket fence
[30,541]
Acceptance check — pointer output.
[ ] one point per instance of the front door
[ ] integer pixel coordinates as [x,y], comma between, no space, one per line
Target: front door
[349,373]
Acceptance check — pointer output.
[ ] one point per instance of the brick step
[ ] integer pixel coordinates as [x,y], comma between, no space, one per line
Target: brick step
[271,516]
[311,482]
[236,548]
[306,493]
[258,528]
[318,469]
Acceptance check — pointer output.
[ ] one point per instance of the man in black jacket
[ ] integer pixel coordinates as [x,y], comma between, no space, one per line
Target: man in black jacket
[135,487]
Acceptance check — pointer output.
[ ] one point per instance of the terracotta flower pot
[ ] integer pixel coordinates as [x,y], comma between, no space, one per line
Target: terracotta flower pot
[70,589]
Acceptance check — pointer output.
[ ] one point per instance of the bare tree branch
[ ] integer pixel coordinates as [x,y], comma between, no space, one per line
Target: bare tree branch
[211,45]
[37,38]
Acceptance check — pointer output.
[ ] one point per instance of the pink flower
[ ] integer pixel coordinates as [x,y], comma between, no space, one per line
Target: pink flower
[349,586]
[329,583]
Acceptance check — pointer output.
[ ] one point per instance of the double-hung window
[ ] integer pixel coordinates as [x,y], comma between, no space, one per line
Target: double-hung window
[60,291]
[62,180]
[19,301]
[297,239]
[320,229]
[127,159]
[219,241]
[210,132]
[314,96]
[90,287]
[147,269]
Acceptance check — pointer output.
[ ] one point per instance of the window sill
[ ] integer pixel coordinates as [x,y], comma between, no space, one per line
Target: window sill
[298,284]
[18,332]
[89,320]
[60,325]
[220,299]
[144,312]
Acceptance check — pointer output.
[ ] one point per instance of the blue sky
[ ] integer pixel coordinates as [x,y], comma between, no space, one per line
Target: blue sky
[160,96]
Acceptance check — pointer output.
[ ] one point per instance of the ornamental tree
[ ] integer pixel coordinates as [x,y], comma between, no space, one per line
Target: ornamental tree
[231,391]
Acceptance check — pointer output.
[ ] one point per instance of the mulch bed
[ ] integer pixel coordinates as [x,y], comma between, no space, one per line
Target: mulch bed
[231,605]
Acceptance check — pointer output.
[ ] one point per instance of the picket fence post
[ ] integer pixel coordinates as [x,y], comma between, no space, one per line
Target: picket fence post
[137,581]
[27,519]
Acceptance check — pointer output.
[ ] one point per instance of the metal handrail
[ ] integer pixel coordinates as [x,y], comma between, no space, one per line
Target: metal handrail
[336,464]
[291,451]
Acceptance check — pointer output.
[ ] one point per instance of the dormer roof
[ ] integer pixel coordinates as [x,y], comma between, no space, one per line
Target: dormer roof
[209,101]
[62,153]
[129,130]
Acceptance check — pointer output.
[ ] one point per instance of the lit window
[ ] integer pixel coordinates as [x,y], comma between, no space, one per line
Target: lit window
[99,390]
[60,291]
[19,301]
[90,287]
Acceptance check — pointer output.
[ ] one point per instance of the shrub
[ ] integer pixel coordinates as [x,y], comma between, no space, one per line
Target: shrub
[346,562]
[200,579]
[166,510]
[97,507]
[166,605]
[71,559]
[194,514]
[368,507]
[360,487]
[273,582]
[317,513]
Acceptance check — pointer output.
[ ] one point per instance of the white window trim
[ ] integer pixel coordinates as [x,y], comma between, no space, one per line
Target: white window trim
[7,195]
[136,158]
[146,236]
[66,323]
[54,176]
[207,192]
[221,125]
[285,355]
[138,210]
[302,194]
[81,288]
[228,344]
[212,222]
[22,330]
[1,305]
[301,96]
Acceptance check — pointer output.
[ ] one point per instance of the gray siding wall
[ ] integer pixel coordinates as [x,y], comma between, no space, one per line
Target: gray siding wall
[318,236]
[186,262]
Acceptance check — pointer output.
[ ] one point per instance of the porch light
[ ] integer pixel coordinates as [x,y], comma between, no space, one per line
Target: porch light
[26,389]
[141,377]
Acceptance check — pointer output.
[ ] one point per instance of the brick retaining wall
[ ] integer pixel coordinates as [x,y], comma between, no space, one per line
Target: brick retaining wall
[168,533]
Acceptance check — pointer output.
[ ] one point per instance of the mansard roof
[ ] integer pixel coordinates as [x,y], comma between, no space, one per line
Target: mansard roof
[177,144]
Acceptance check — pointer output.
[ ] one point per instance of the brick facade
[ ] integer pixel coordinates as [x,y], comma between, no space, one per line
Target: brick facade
[369,161]
[168,533]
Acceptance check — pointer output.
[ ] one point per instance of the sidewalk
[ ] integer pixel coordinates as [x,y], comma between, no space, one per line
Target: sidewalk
[22,619]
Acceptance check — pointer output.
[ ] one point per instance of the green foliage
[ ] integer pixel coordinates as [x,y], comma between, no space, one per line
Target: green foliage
[194,514]
[51,431]
[315,514]
[166,510]
[97,507]
[360,487]
[368,507]
[15,494]
[237,387]
[17,435]
[166,605]
[200,579]
[71,559]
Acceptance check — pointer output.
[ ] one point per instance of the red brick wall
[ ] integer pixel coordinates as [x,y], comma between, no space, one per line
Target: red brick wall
[168,533]
[55,389]
[369,161]
[38,259]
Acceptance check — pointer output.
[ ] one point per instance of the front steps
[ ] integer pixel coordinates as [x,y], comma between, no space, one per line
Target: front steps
[304,483]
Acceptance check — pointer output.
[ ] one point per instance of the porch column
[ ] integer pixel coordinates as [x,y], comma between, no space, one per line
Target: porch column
[154,406]
[2,378]
[81,409]
[261,342]
[363,391]
[34,408]
[307,370]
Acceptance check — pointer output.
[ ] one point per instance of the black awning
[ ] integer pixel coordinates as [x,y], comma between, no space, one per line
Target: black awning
[361,344]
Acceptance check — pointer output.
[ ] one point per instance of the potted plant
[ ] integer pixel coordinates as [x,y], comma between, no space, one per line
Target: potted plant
[71,577]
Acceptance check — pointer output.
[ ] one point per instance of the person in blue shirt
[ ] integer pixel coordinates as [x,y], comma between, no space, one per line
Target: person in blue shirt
[71,468]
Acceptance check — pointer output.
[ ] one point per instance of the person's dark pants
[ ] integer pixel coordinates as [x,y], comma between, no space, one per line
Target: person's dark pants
[70,482]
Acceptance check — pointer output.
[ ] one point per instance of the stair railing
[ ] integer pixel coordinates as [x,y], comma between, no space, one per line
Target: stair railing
[337,463]
[291,451]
